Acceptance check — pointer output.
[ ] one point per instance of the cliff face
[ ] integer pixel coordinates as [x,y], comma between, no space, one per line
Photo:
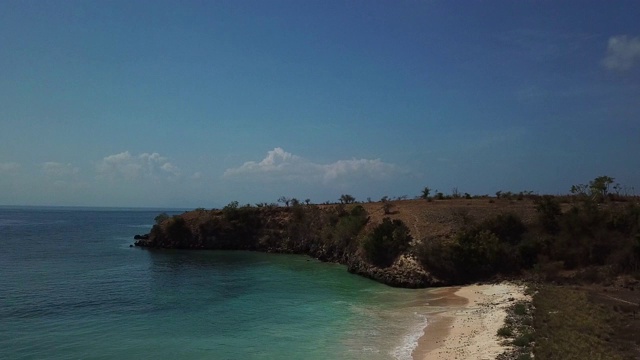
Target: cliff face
[333,234]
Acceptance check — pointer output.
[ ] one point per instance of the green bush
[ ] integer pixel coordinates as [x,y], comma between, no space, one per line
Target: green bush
[349,226]
[548,209]
[508,227]
[530,248]
[161,218]
[592,234]
[505,331]
[480,252]
[523,340]
[437,256]
[520,309]
[388,240]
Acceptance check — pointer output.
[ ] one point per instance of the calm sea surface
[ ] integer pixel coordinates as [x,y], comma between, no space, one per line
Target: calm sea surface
[72,288]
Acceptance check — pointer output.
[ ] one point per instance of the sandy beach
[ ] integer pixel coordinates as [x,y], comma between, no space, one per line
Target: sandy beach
[467,326]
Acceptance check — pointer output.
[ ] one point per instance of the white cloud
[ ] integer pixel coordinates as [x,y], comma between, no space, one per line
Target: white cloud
[622,53]
[56,169]
[131,167]
[281,165]
[170,168]
[373,168]
[9,168]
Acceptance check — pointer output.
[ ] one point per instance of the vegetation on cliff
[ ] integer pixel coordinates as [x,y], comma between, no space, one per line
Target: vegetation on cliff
[591,233]
[588,235]
[329,233]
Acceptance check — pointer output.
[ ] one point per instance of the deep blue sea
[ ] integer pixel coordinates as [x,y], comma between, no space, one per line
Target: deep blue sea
[72,288]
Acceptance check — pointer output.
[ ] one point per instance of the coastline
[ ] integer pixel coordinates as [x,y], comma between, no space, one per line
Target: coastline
[467,326]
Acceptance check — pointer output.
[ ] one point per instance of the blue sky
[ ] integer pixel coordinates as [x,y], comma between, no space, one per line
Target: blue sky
[198,103]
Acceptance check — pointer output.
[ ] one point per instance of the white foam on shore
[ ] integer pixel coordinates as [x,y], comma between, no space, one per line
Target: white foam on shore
[410,341]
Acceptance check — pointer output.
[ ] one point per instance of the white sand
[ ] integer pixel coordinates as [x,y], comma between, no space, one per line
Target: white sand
[470,331]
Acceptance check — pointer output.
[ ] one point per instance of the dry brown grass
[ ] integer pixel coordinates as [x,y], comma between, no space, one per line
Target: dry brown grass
[443,218]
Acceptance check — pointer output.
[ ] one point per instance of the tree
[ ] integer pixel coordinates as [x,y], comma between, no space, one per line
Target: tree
[580,189]
[600,186]
[231,206]
[425,193]
[285,200]
[347,199]
[597,189]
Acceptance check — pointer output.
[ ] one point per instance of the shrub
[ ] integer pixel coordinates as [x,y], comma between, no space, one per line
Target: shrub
[592,234]
[548,209]
[349,226]
[529,249]
[387,208]
[437,256]
[505,331]
[479,252]
[507,227]
[388,240]
[626,259]
[161,218]
[178,231]
[523,340]
[231,206]
[520,309]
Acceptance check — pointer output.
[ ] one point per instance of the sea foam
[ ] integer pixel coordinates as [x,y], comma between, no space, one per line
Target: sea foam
[410,341]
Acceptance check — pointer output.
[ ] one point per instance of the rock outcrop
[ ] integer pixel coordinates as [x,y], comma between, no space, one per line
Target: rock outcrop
[329,234]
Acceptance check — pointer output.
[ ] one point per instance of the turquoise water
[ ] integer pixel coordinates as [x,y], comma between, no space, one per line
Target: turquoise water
[72,288]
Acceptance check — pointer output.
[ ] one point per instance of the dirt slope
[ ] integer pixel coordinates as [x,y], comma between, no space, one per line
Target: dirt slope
[442,218]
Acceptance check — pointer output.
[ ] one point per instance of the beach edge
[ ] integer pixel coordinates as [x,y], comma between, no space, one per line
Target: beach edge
[468,329]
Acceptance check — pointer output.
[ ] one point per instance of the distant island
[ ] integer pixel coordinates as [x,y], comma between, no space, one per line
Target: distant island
[589,238]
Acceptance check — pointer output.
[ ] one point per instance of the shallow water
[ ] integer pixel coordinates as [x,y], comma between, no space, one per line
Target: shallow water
[71,287]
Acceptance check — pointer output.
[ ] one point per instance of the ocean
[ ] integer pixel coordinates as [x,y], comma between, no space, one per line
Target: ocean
[71,287]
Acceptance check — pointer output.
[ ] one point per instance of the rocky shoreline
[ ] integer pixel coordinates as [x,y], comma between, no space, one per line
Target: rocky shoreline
[279,230]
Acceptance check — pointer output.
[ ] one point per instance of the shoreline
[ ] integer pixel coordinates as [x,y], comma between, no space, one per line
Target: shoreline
[467,326]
